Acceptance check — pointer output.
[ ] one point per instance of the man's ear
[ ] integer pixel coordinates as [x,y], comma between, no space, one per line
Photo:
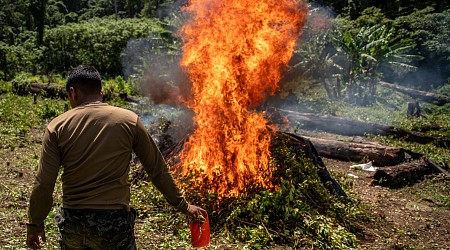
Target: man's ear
[73,93]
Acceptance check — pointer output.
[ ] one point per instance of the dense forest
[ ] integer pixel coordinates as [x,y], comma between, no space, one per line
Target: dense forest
[405,42]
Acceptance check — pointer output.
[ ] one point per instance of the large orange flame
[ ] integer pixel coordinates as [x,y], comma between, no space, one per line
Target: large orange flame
[233,53]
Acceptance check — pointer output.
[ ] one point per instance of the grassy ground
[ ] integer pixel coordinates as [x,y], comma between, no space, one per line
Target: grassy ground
[414,217]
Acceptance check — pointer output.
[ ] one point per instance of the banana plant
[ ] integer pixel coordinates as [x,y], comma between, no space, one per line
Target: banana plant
[365,52]
[315,62]
[318,62]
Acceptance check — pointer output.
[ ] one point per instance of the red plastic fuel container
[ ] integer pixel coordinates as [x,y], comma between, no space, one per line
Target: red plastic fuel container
[200,232]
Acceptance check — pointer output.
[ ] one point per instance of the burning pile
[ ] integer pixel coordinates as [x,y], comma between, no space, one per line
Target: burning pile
[233,53]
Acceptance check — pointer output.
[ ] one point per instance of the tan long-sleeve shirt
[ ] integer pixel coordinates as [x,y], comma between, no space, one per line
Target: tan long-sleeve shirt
[93,145]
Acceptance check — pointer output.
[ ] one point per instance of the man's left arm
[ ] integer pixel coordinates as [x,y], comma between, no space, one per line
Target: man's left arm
[154,164]
[41,199]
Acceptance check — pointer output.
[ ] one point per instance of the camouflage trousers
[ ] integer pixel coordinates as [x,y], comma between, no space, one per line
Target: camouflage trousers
[96,229]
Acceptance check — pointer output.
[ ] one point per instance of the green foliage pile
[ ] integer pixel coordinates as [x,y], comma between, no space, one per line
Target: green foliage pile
[299,213]
[118,85]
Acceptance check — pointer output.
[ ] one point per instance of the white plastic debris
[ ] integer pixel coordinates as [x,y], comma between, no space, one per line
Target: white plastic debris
[354,176]
[366,167]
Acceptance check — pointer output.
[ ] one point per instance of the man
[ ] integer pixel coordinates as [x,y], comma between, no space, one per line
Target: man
[93,143]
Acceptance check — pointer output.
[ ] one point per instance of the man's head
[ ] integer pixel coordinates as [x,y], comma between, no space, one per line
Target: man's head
[86,78]
[84,83]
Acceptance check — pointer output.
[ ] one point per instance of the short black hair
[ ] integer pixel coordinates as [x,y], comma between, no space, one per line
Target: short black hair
[86,78]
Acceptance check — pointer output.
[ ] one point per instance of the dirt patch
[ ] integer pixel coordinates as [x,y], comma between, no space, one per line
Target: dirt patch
[412,217]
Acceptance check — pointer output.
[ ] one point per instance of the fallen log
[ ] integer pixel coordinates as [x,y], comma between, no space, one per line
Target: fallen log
[333,124]
[429,127]
[355,152]
[422,138]
[46,90]
[52,91]
[403,174]
[418,94]
[57,91]
[343,126]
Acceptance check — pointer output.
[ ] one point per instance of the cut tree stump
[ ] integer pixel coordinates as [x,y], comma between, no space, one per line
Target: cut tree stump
[413,109]
[355,152]
[404,174]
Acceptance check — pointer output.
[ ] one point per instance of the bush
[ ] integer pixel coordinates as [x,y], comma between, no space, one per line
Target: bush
[19,114]
[24,56]
[5,87]
[119,85]
[97,42]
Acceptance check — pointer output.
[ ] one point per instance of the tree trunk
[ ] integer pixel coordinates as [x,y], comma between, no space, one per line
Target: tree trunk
[333,124]
[403,174]
[343,126]
[38,10]
[417,94]
[355,152]
[327,89]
